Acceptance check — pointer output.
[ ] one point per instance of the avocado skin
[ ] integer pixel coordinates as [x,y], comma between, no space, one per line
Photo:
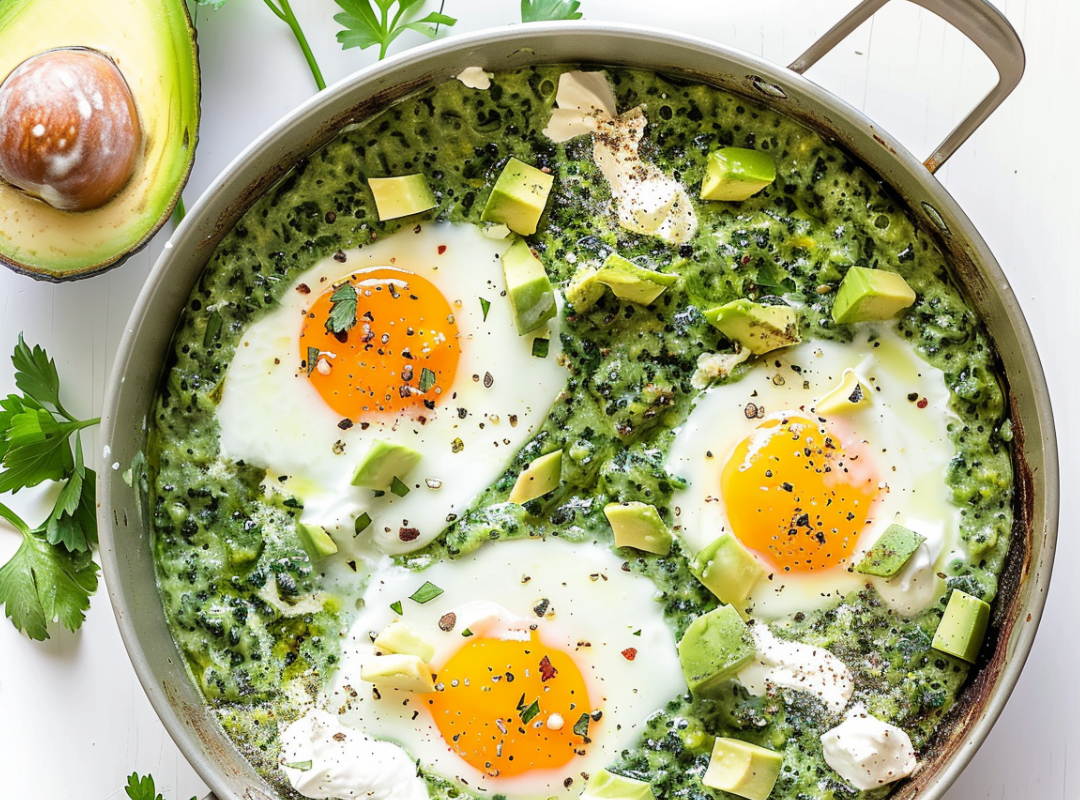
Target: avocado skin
[169,71]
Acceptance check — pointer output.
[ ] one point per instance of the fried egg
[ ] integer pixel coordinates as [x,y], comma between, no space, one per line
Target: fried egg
[807,494]
[549,659]
[433,362]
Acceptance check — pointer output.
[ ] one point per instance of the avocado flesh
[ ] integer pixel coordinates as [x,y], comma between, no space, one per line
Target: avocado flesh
[153,42]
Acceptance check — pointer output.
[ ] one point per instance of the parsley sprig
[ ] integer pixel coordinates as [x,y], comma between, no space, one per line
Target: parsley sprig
[283,11]
[343,303]
[142,788]
[52,574]
[371,22]
[548,10]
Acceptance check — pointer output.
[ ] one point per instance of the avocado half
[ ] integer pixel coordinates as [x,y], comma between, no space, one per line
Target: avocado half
[152,42]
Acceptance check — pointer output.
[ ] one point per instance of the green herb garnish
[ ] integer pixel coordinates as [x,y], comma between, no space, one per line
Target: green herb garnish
[312,359]
[362,523]
[547,10]
[581,727]
[530,713]
[283,11]
[427,379]
[52,574]
[398,487]
[466,632]
[426,593]
[485,306]
[370,22]
[303,766]
[396,607]
[342,309]
[143,788]
[540,347]
[213,328]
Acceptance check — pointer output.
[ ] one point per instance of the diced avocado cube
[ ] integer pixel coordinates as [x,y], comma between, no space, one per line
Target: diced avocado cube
[850,394]
[519,197]
[715,647]
[889,553]
[735,173]
[398,637]
[727,569]
[743,769]
[638,525]
[396,671]
[871,294]
[962,627]
[584,290]
[756,327]
[532,300]
[604,785]
[401,196]
[383,462]
[540,476]
[316,541]
[628,281]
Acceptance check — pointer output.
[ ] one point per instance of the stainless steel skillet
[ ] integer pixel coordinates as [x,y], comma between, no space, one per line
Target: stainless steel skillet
[125,546]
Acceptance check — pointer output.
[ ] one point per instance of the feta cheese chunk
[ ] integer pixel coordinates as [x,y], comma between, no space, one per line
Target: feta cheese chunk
[793,665]
[867,752]
[323,758]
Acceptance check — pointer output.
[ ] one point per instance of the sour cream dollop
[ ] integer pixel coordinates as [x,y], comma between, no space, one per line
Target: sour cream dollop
[798,666]
[646,200]
[322,758]
[867,752]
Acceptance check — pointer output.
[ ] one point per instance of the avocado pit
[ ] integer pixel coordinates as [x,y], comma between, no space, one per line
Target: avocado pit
[69,130]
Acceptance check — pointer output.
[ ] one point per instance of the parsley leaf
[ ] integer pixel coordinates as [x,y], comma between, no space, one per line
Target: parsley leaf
[42,583]
[342,309]
[548,10]
[774,279]
[427,379]
[144,789]
[52,574]
[426,593]
[370,22]
[581,727]
[485,306]
[530,713]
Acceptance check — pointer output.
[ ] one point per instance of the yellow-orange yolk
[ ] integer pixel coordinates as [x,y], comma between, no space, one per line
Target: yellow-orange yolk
[485,710]
[795,494]
[400,355]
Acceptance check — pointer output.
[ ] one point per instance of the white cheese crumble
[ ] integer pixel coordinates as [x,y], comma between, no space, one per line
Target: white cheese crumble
[793,665]
[646,200]
[867,752]
[322,758]
[475,78]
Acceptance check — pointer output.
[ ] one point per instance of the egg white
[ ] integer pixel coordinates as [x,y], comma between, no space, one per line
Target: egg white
[591,599]
[909,446]
[271,416]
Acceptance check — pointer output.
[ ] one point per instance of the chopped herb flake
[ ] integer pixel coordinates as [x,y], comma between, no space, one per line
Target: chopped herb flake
[396,607]
[541,347]
[303,766]
[581,727]
[485,305]
[362,523]
[398,488]
[426,593]
[466,632]
[342,309]
[530,713]
[427,379]
[313,358]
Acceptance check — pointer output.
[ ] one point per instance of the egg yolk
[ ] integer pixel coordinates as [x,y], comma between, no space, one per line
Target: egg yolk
[400,355]
[508,707]
[795,494]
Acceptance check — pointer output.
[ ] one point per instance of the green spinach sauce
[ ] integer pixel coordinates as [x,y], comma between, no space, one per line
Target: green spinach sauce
[220,542]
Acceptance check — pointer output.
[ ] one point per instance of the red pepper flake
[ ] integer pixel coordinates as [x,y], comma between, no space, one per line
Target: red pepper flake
[547,672]
[442,249]
[630,653]
[923,402]
[408,534]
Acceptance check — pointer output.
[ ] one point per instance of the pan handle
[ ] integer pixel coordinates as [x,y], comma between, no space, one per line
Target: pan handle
[981,22]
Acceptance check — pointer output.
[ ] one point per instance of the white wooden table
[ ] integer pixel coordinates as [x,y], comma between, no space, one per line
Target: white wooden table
[73,718]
